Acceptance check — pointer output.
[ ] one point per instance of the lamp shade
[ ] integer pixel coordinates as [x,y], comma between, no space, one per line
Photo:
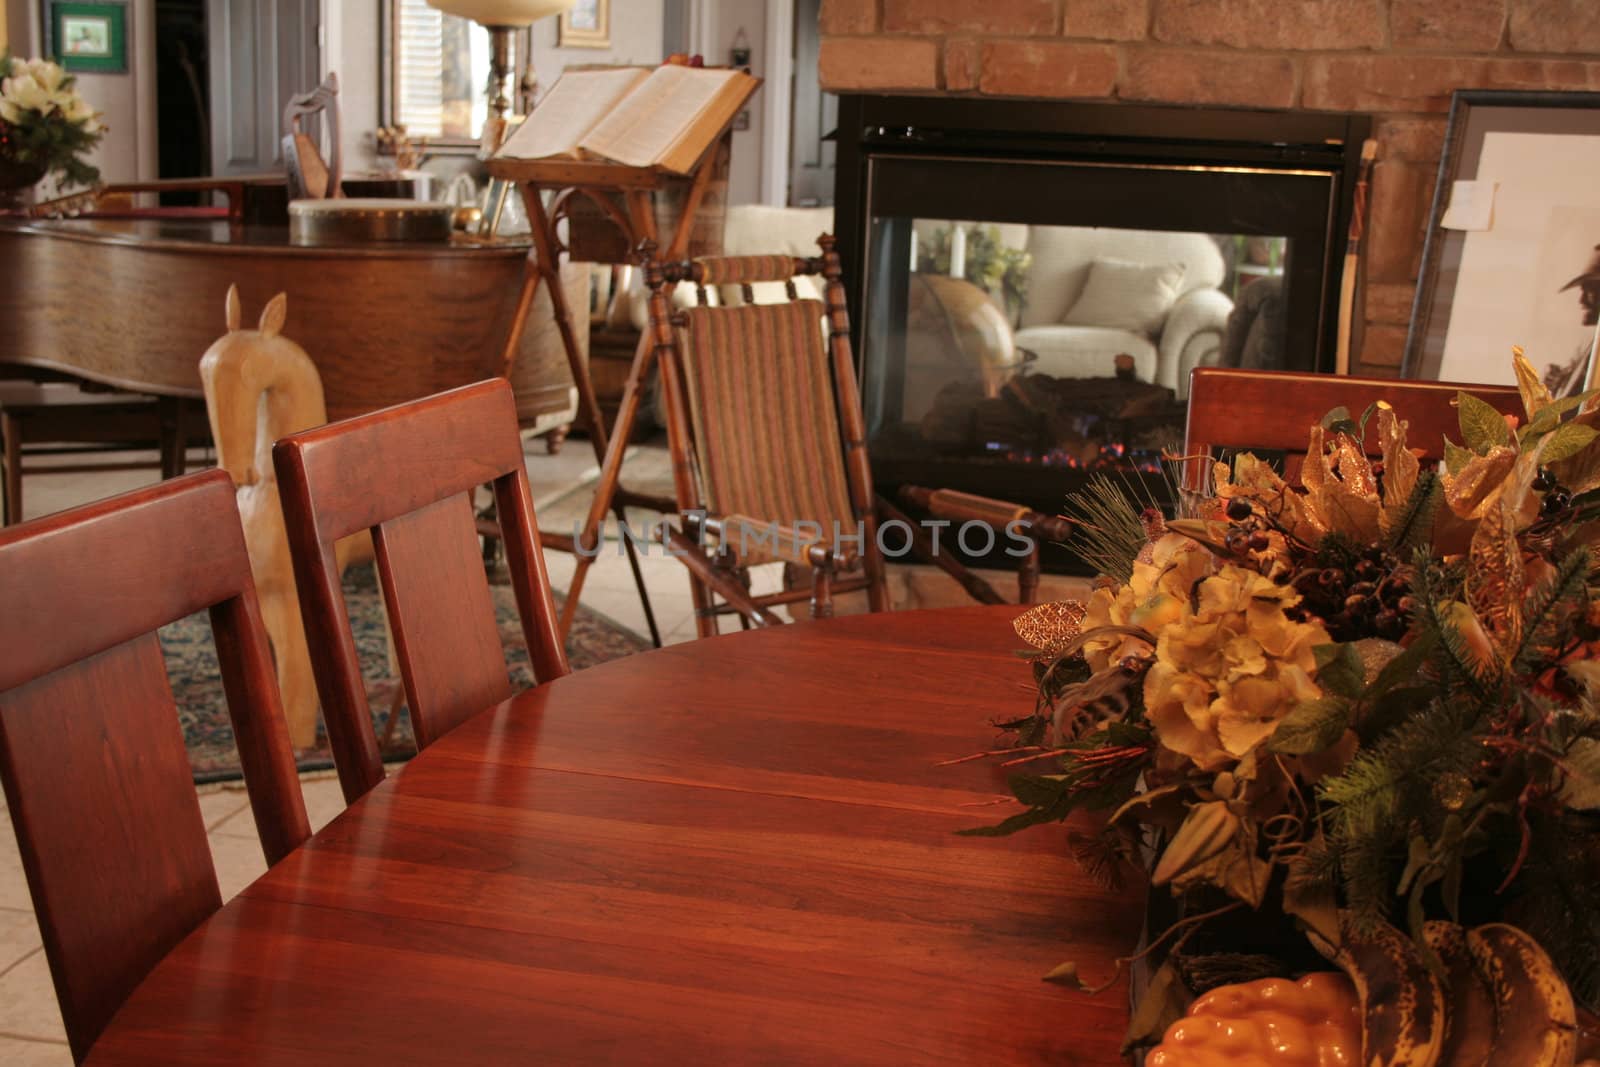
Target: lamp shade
[502,12]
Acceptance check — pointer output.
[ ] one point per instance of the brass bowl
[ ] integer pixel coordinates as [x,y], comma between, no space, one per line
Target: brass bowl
[349,221]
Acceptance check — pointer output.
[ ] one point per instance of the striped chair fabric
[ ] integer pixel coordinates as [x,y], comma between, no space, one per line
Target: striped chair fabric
[766,420]
[746,270]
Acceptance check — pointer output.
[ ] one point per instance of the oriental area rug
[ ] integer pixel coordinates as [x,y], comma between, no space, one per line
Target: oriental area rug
[203,711]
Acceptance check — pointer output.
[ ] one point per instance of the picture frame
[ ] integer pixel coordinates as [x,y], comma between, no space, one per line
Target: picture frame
[586,24]
[88,38]
[1516,167]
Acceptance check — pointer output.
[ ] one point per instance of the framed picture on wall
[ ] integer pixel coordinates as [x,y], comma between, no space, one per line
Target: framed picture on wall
[1512,255]
[88,38]
[586,24]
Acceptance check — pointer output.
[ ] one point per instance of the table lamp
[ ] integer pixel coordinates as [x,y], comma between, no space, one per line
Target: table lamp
[501,18]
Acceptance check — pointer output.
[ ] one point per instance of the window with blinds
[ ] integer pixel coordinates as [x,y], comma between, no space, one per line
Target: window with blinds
[441,71]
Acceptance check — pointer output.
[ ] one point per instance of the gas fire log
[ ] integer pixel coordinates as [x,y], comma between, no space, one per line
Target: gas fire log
[1040,413]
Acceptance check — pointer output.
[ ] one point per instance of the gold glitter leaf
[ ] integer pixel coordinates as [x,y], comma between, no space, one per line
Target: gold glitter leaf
[1400,466]
[1051,627]
[1496,580]
[1535,397]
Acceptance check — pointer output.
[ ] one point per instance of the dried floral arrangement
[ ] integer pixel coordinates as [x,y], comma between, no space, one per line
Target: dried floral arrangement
[1364,709]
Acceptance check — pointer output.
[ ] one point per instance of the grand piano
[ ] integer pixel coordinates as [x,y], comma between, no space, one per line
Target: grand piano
[133,303]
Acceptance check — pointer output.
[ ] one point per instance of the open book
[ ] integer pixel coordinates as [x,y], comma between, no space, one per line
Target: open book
[663,117]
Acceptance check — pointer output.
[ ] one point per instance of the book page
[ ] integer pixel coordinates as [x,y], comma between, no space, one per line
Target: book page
[650,121]
[572,107]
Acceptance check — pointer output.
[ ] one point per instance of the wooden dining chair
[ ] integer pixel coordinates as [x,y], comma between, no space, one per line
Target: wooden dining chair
[91,753]
[407,473]
[1274,410]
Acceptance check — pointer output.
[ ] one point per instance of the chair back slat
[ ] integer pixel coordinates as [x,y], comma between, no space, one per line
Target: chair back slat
[765,413]
[404,472]
[156,586]
[92,757]
[115,897]
[442,615]
[1251,409]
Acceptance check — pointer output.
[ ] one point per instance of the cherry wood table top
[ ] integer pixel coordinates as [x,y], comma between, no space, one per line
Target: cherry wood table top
[734,851]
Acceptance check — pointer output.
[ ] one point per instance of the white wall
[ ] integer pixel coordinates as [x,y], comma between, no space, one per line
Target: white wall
[635,38]
[353,49]
[744,183]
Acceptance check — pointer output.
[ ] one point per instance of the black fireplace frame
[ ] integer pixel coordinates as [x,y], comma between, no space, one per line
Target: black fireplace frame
[887,130]
[896,131]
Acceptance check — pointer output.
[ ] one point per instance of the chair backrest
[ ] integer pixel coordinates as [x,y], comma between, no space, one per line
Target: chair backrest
[762,406]
[1274,410]
[406,473]
[91,753]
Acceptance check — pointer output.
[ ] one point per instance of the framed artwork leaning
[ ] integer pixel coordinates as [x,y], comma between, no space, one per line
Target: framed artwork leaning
[1512,254]
[88,38]
[1512,251]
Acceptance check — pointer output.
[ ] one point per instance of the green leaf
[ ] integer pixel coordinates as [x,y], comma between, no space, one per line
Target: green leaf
[1482,427]
[1020,821]
[1456,457]
[1040,790]
[1311,726]
[1391,709]
[1404,667]
[1568,441]
[1335,416]
[1339,669]
[1551,413]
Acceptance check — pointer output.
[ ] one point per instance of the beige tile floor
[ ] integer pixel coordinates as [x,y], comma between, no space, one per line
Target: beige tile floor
[30,1023]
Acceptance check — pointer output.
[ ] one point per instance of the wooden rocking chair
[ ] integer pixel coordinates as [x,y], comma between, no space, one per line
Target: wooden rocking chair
[768,444]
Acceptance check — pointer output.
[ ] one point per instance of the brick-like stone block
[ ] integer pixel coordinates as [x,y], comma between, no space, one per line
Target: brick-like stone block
[1447,25]
[1106,20]
[1411,139]
[1555,26]
[1387,82]
[1208,77]
[1300,25]
[971,16]
[962,63]
[871,63]
[1399,200]
[1541,74]
[848,16]
[1048,69]
[1383,349]
[1390,302]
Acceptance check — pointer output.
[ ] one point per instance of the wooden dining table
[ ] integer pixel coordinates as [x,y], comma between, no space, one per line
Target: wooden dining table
[741,850]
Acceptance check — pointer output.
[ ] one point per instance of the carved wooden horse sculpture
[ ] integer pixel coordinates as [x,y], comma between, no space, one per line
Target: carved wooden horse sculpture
[261,386]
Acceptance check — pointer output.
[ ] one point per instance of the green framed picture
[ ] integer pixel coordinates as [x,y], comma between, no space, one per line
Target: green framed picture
[89,38]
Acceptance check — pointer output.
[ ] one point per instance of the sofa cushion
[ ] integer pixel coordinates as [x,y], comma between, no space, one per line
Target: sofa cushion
[1062,256]
[1087,351]
[1125,295]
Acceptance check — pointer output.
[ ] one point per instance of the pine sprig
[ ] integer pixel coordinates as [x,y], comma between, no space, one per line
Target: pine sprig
[1433,589]
[1549,609]
[1415,521]
[1108,534]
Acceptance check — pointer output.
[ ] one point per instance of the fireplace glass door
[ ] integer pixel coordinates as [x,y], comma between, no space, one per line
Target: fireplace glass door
[1027,322]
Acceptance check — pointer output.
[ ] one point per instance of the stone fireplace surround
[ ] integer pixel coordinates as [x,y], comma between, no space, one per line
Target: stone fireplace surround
[1397,60]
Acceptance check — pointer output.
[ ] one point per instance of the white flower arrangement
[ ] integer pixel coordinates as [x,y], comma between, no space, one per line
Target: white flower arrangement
[44,122]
